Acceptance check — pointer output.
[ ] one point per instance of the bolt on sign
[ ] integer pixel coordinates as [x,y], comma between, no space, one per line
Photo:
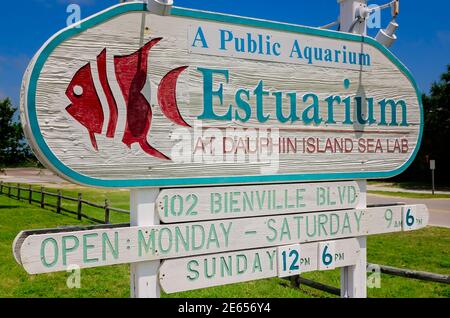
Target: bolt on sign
[44,253]
[133,99]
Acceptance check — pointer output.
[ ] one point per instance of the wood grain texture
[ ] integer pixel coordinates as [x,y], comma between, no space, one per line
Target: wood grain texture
[54,252]
[228,268]
[212,203]
[123,35]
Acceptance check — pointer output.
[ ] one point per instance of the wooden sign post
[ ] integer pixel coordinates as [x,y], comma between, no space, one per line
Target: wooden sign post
[144,275]
[354,277]
[272,245]
[246,145]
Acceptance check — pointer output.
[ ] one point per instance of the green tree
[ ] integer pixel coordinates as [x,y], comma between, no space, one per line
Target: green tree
[436,135]
[13,148]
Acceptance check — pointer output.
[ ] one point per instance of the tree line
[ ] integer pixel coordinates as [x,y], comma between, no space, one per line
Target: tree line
[436,135]
[14,150]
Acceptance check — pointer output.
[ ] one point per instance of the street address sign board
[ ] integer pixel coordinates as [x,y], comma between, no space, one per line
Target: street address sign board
[128,98]
[43,253]
[213,203]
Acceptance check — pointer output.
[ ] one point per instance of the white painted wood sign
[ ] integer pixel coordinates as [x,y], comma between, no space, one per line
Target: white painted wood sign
[212,203]
[52,252]
[128,98]
[227,268]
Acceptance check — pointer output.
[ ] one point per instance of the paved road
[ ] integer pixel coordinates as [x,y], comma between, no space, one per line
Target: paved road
[439,208]
[31,176]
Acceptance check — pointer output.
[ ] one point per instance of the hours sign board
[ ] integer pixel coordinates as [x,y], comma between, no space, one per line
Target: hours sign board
[228,268]
[50,252]
[132,99]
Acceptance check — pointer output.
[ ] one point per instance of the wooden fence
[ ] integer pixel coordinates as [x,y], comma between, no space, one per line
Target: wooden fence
[406,273]
[26,193]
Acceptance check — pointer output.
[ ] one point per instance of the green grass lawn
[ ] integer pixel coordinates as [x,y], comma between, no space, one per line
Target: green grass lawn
[411,195]
[420,186]
[426,249]
[401,189]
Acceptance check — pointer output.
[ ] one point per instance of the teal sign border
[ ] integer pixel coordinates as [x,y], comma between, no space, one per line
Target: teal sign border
[181,12]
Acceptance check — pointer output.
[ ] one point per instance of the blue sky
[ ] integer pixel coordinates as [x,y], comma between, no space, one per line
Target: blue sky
[423,44]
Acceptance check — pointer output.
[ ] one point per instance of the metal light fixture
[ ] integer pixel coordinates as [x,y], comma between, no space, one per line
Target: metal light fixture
[387,36]
[354,14]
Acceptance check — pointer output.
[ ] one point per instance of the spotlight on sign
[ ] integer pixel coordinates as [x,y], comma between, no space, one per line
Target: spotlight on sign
[387,36]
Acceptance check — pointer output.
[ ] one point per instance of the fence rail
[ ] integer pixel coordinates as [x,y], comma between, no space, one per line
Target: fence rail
[406,273]
[298,280]
[26,193]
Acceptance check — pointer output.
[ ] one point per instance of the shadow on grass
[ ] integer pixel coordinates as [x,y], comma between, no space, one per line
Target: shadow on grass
[51,209]
[9,206]
[419,186]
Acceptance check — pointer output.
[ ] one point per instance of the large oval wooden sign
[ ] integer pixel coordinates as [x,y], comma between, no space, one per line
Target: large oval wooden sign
[128,98]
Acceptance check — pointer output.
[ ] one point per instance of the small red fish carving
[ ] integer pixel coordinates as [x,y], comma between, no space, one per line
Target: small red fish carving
[131,75]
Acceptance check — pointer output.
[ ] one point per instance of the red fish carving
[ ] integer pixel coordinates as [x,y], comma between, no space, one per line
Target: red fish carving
[131,75]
